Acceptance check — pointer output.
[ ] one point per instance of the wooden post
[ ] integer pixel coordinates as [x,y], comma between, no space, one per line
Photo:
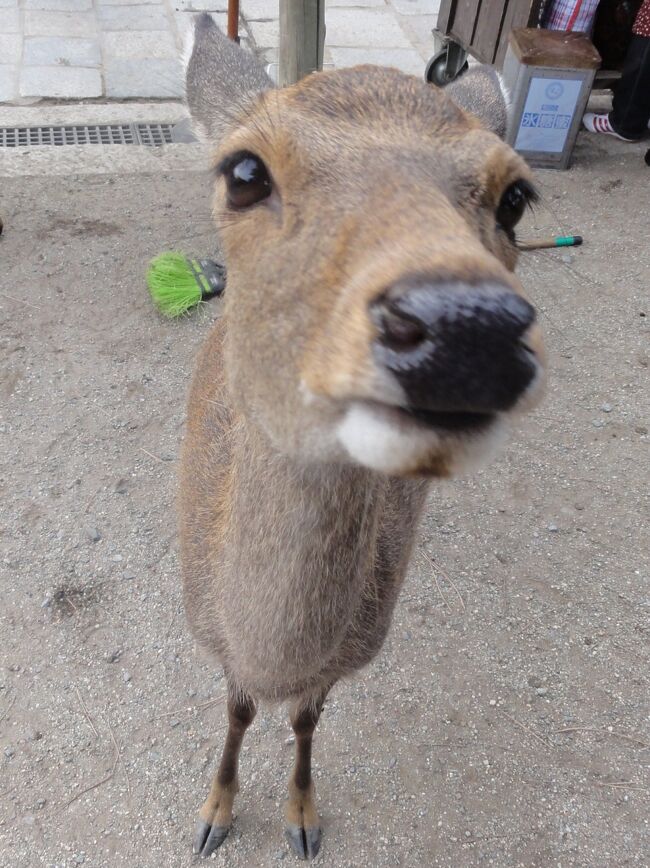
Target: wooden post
[302,39]
[233,20]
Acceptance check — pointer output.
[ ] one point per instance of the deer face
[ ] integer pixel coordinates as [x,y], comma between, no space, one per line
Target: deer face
[372,311]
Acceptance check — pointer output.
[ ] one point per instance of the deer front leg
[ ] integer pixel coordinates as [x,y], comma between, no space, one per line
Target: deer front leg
[303,823]
[216,812]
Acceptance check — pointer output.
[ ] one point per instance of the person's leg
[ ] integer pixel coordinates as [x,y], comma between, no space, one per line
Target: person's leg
[631,107]
[628,119]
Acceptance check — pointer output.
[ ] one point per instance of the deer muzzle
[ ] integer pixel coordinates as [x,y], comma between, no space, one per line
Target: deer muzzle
[458,351]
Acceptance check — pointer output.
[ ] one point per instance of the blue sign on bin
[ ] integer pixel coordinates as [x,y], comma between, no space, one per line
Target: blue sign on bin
[544,125]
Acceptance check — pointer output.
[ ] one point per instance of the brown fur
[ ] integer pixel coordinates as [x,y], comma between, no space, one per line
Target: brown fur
[321,550]
[292,554]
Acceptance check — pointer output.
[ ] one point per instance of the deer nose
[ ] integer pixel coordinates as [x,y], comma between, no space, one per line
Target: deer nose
[455,347]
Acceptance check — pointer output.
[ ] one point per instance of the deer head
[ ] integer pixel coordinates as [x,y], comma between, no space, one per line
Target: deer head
[367,221]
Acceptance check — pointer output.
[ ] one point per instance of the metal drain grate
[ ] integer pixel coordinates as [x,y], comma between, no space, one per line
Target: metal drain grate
[152,135]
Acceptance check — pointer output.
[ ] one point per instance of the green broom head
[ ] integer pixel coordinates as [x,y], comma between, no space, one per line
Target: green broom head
[177,283]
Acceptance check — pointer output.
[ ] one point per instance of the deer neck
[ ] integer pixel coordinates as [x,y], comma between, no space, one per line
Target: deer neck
[299,544]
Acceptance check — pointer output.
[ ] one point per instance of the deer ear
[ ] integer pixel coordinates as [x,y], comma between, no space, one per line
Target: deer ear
[481,92]
[221,79]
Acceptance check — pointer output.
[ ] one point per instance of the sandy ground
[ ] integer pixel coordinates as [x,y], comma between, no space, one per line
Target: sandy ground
[506,721]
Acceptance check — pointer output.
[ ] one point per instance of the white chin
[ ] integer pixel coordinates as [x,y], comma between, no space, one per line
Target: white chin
[381,438]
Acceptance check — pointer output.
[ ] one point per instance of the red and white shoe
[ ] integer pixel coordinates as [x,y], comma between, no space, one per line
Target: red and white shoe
[600,124]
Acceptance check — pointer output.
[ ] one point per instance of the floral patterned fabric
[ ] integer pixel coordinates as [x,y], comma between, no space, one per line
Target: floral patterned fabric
[642,20]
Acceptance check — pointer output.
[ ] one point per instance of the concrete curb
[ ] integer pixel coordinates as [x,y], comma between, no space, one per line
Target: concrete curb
[98,159]
[91,113]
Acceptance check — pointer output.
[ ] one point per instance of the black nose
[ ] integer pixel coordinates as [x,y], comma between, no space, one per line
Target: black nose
[455,347]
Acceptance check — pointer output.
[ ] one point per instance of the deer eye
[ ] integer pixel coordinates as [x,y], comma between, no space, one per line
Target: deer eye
[513,204]
[247,180]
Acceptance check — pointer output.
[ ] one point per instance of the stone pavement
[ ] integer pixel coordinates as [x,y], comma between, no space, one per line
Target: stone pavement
[385,32]
[124,49]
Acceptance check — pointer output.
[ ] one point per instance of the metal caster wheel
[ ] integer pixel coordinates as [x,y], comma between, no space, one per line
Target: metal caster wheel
[443,68]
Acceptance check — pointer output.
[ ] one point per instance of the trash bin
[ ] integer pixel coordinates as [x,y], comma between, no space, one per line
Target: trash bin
[549,74]
[479,28]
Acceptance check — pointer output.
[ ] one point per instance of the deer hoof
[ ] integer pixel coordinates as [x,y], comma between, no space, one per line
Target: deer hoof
[305,842]
[208,838]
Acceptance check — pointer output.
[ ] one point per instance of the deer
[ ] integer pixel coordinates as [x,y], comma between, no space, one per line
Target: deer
[374,338]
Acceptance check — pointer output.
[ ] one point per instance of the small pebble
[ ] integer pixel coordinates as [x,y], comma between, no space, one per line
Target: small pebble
[174,722]
[127,575]
[34,735]
[279,855]
[606,408]
[552,527]
[493,702]
[9,752]
[114,656]
[597,423]
[92,533]
[126,677]
[290,740]
[640,429]
[541,691]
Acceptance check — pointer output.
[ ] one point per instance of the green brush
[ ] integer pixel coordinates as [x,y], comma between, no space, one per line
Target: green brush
[177,283]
